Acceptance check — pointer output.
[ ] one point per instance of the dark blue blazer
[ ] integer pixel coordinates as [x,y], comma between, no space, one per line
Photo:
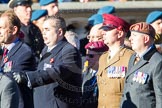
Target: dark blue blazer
[20,58]
[61,66]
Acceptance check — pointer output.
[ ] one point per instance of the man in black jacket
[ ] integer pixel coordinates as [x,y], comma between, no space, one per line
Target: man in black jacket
[58,76]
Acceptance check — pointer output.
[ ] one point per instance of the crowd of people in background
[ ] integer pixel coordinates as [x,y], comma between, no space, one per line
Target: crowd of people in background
[37,1]
[44,64]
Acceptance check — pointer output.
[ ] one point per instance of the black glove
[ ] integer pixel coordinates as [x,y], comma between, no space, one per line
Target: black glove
[20,77]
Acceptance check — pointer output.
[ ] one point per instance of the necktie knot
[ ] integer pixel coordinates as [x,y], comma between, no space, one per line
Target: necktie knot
[137,59]
[5,51]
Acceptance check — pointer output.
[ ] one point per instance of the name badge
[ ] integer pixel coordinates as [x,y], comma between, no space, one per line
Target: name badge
[46,66]
[7,66]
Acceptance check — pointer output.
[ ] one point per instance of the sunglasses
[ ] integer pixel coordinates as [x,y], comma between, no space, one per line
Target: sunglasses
[91,55]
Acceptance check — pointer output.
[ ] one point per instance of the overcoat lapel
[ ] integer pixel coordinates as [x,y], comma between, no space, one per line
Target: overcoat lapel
[12,52]
[136,67]
[116,58]
[55,50]
[144,60]
[14,49]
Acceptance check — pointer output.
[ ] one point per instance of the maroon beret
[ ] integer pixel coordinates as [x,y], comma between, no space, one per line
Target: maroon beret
[98,46]
[143,27]
[116,22]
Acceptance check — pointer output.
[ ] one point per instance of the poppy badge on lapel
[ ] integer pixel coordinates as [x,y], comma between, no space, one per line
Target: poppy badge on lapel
[5,60]
[52,60]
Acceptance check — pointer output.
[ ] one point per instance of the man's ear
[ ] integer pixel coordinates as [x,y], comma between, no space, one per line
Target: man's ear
[146,38]
[14,30]
[120,33]
[34,22]
[60,32]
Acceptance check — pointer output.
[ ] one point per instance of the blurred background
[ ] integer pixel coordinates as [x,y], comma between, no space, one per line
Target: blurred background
[77,12]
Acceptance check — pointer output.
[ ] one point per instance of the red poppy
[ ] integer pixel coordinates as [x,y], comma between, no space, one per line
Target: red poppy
[5,60]
[52,60]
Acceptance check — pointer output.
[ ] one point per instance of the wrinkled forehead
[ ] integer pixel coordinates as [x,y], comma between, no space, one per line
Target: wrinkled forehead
[4,20]
[137,34]
[95,30]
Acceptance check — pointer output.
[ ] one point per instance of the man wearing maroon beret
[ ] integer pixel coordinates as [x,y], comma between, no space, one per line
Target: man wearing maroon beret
[113,64]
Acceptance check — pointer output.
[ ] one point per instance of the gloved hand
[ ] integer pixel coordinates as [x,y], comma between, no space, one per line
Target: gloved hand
[20,77]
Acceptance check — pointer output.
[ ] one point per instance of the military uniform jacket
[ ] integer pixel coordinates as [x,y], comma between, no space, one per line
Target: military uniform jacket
[20,59]
[9,93]
[110,78]
[61,68]
[143,85]
[33,38]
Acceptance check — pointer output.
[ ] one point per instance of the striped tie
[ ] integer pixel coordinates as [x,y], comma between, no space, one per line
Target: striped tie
[136,60]
[5,51]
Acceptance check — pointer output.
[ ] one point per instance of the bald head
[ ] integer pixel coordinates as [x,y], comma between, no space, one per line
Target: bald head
[95,33]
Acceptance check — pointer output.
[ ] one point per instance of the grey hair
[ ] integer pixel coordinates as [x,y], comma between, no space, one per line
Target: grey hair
[57,21]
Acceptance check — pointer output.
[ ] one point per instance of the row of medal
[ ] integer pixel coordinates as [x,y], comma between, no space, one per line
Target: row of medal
[140,77]
[7,66]
[116,71]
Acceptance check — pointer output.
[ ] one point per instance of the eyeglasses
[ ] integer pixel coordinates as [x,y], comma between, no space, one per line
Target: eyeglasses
[90,37]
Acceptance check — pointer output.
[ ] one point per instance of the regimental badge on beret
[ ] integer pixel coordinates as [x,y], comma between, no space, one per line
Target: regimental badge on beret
[92,46]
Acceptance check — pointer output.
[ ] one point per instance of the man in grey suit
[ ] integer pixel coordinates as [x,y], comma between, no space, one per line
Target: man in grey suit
[143,85]
[9,92]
